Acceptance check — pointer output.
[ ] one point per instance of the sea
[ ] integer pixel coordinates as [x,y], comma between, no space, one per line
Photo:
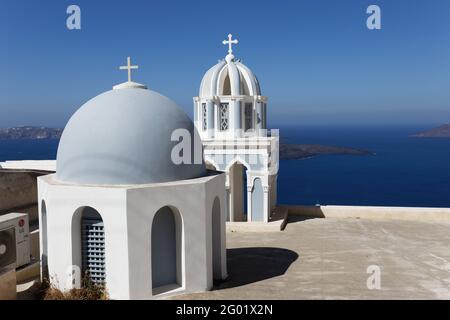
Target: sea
[404,171]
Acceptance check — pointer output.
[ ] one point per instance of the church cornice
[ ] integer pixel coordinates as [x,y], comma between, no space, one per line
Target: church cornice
[231,98]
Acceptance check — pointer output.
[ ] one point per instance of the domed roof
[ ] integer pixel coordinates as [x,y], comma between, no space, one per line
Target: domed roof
[123,136]
[229,77]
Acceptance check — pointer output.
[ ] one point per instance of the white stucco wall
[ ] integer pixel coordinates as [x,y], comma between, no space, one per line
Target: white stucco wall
[62,201]
[127,213]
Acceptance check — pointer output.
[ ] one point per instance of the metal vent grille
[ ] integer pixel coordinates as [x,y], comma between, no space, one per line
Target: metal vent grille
[223,115]
[7,247]
[204,116]
[93,249]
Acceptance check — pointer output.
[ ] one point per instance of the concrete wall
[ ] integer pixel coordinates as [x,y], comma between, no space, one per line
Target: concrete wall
[8,284]
[371,212]
[18,192]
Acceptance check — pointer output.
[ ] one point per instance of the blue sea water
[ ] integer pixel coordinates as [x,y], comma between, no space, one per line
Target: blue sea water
[28,149]
[404,172]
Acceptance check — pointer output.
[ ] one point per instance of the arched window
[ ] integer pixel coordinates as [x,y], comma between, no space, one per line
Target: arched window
[237,193]
[223,116]
[166,246]
[88,234]
[227,86]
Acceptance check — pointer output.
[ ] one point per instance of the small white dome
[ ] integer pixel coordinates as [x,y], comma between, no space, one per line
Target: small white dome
[123,136]
[230,77]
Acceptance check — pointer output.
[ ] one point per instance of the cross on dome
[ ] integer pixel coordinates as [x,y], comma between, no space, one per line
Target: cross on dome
[230,43]
[128,67]
[129,84]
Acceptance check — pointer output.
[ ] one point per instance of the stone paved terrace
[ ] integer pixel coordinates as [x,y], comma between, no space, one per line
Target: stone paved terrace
[328,259]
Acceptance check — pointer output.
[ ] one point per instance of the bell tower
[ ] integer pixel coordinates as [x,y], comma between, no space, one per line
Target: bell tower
[230,116]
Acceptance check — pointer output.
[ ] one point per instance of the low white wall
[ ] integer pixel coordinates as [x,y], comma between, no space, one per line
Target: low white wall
[372,212]
[40,165]
[34,245]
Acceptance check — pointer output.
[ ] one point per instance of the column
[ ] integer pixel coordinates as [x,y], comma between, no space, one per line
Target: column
[196,115]
[229,197]
[258,199]
[264,115]
[273,192]
[237,118]
[210,118]
[229,203]
[266,203]
[249,197]
[259,118]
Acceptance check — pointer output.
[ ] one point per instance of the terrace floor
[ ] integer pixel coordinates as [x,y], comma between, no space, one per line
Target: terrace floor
[329,259]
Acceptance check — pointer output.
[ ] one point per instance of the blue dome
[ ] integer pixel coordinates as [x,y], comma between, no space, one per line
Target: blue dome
[123,136]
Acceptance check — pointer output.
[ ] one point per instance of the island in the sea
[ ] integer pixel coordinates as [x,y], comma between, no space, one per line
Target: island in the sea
[30,132]
[439,132]
[303,151]
[287,151]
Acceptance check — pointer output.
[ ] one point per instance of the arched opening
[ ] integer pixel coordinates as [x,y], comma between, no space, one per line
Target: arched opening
[244,87]
[248,117]
[166,246]
[88,244]
[44,234]
[227,86]
[238,192]
[216,240]
[257,200]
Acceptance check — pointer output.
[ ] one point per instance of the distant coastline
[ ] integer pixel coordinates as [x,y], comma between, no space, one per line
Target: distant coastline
[30,132]
[304,151]
[287,151]
[391,178]
[442,131]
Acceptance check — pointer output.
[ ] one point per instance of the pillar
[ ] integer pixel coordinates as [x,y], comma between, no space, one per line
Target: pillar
[258,200]
[210,118]
[237,118]
[197,106]
[264,115]
[259,118]
[266,203]
[249,197]
[273,192]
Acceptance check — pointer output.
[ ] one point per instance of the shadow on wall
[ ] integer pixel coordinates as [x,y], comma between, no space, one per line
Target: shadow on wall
[248,265]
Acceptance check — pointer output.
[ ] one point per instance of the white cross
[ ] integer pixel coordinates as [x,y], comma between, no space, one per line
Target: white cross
[128,67]
[230,43]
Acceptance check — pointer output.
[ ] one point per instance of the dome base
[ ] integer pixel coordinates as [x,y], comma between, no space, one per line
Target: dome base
[129,85]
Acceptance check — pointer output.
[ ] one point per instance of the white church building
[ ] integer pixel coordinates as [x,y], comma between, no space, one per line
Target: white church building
[120,210]
[230,115]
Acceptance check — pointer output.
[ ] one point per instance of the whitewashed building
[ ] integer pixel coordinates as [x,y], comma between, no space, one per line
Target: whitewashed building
[120,210]
[230,115]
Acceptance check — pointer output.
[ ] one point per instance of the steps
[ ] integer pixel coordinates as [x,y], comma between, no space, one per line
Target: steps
[277,222]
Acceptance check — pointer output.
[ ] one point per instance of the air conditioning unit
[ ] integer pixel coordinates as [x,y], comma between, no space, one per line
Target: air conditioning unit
[14,240]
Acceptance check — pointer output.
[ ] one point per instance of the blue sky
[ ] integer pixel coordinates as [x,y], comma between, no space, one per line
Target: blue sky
[316,60]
